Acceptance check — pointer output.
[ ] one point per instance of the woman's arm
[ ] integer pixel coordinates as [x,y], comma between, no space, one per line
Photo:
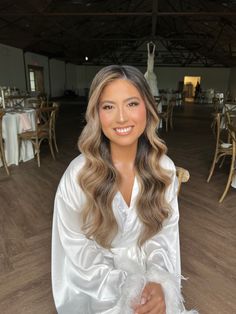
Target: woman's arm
[163,255]
[163,264]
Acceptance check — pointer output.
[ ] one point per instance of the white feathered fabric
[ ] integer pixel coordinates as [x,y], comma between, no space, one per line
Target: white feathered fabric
[88,279]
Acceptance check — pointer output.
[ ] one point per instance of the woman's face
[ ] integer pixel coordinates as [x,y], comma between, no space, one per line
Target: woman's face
[122,113]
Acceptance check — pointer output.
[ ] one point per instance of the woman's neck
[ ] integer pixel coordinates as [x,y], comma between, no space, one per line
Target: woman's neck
[123,159]
[123,155]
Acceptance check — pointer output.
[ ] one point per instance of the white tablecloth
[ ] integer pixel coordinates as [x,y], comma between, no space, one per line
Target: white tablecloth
[13,123]
[233,183]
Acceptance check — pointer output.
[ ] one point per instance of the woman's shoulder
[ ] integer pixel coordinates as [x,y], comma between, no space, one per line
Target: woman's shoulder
[76,164]
[70,176]
[167,163]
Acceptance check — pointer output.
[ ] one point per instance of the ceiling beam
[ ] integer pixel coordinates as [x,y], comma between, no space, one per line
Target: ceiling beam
[146,38]
[154,17]
[148,14]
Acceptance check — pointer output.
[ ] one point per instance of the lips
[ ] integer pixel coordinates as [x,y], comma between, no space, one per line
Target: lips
[123,131]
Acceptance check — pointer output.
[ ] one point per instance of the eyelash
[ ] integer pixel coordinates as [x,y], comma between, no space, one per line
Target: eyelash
[131,104]
[107,107]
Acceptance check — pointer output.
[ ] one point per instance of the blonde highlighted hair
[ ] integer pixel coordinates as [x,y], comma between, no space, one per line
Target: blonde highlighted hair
[98,178]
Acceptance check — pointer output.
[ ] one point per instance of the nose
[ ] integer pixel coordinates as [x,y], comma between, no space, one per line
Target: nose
[122,115]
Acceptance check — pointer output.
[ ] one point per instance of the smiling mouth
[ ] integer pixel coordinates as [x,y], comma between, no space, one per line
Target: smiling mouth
[123,131]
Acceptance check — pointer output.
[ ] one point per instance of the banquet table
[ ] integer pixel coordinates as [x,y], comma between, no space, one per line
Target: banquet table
[16,121]
[14,100]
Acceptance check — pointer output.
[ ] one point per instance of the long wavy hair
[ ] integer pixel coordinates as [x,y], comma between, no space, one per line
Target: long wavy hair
[99,178]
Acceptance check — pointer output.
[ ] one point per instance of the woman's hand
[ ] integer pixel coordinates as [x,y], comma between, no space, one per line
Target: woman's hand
[152,300]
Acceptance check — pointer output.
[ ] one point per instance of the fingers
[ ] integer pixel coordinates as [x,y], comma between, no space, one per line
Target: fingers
[152,300]
[151,307]
[146,295]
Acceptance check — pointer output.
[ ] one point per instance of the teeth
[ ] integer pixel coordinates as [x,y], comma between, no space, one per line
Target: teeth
[123,130]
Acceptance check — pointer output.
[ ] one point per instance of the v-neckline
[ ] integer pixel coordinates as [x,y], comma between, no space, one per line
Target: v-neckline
[132,195]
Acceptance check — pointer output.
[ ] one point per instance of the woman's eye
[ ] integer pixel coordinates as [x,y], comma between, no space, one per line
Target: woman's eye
[107,107]
[133,104]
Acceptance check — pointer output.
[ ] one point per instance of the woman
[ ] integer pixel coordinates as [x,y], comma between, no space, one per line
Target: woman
[115,244]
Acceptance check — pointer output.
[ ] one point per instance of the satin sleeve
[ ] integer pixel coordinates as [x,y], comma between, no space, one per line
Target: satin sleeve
[163,251]
[163,255]
[84,279]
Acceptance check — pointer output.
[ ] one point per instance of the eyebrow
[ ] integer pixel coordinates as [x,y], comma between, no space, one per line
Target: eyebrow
[113,102]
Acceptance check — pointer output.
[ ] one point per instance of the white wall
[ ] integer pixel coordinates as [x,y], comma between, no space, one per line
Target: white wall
[41,61]
[58,77]
[71,77]
[68,76]
[232,82]
[216,78]
[12,67]
[85,75]
[168,78]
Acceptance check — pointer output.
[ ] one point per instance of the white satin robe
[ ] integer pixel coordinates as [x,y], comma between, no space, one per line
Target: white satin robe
[88,279]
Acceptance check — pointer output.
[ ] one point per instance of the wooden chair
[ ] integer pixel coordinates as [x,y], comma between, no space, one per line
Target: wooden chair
[44,118]
[230,115]
[182,175]
[223,146]
[32,102]
[216,104]
[2,151]
[232,133]
[55,105]
[167,115]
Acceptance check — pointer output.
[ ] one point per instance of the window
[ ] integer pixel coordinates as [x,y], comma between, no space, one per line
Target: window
[32,80]
[36,78]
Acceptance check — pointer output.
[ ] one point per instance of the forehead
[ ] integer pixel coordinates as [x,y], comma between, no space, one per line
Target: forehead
[120,87]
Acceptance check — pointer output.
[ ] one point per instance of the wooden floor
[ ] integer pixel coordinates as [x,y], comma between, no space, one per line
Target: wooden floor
[207,228]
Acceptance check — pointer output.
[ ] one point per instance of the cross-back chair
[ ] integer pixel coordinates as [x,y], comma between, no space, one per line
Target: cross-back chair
[44,119]
[167,115]
[216,104]
[33,102]
[223,146]
[230,114]
[2,151]
[55,105]
[158,102]
[232,131]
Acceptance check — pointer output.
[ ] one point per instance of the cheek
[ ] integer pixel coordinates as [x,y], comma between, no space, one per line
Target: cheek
[104,119]
[141,116]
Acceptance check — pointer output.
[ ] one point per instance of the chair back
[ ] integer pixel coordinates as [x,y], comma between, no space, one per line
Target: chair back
[182,176]
[216,104]
[232,131]
[230,109]
[217,117]
[55,106]
[1,116]
[45,119]
[171,105]
[2,151]
[230,115]
[32,102]
[170,108]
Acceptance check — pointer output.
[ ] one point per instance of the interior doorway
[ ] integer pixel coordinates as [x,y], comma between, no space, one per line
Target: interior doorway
[36,79]
[190,83]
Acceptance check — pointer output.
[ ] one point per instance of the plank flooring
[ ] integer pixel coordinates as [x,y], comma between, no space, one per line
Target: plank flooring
[207,228]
